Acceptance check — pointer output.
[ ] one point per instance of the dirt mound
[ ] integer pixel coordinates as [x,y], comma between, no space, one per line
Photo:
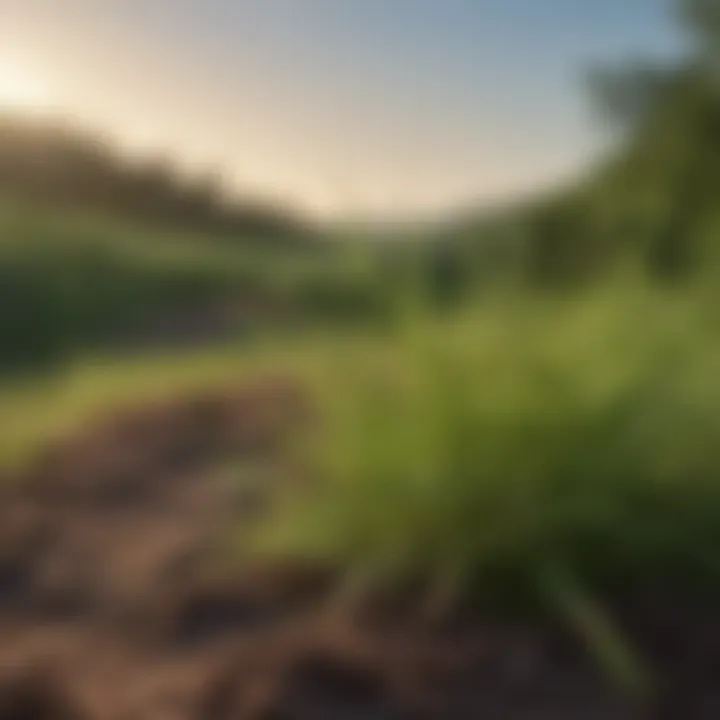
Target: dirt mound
[113,605]
[37,695]
[128,511]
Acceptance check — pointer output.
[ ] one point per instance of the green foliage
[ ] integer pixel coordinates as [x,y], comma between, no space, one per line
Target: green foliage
[654,201]
[703,18]
[57,297]
[575,434]
[70,282]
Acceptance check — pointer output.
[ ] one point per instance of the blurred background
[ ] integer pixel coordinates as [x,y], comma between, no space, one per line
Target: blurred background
[388,295]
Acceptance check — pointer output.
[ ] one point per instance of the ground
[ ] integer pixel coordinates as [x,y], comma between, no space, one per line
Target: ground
[123,595]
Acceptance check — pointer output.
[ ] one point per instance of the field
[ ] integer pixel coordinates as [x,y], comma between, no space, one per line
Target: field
[79,282]
[465,471]
[548,459]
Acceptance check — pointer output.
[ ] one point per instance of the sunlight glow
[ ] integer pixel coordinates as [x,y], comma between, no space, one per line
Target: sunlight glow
[22,89]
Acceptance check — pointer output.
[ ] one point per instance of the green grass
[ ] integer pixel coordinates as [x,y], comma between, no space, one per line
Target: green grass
[73,282]
[37,409]
[575,430]
[580,430]
[542,452]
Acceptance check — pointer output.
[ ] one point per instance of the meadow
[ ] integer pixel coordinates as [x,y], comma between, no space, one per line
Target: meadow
[517,415]
[550,454]
[71,282]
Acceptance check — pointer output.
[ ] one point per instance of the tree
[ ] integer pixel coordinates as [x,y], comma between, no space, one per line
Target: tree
[628,96]
[702,17]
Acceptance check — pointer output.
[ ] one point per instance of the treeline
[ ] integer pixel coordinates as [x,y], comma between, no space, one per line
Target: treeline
[654,203]
[54,162]
[658,200]
[78,284]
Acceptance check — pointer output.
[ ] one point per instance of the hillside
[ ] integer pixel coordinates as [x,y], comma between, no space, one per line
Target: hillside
[50,161]
[455,471]
[74,282]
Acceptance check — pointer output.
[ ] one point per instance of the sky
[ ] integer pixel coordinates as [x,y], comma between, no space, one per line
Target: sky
[345,107]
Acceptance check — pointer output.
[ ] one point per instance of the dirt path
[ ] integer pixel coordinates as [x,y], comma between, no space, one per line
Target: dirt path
[113,605]
[107,550]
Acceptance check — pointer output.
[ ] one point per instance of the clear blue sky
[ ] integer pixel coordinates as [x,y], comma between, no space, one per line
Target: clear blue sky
[374,106]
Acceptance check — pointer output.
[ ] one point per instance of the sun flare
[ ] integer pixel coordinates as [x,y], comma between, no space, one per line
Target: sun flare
[21,89]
